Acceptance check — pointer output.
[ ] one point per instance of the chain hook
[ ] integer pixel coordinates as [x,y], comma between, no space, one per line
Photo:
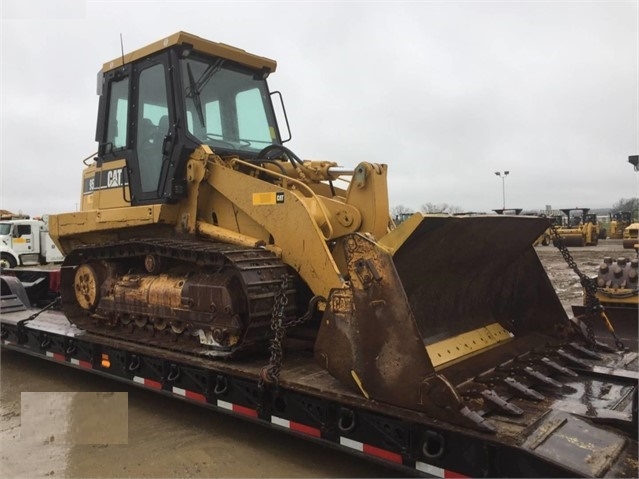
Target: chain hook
[271,372]
[592,304]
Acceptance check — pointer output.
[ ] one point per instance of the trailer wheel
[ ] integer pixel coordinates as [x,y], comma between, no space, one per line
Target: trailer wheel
[7,261]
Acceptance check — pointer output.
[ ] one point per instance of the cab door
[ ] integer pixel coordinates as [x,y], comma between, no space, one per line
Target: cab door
[151,119]
[134,132]
[22,239]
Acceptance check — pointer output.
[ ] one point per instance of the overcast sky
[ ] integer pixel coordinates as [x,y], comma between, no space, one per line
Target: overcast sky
[445,93]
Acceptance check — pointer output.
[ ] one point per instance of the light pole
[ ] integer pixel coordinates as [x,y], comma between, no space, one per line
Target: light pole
[503,186]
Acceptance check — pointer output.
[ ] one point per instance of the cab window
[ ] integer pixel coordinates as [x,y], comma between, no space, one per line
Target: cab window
[118,114]
[22,230]
[152,124]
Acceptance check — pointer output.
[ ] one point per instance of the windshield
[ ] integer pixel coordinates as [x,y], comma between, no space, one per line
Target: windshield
[226,107]
[5,229]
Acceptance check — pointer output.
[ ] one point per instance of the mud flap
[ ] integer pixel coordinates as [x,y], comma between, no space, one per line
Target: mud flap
[14,296]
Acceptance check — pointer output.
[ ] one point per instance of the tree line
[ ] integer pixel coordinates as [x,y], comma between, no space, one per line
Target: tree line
[399,211]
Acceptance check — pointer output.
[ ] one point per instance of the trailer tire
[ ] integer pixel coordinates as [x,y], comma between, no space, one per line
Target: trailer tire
[7,261]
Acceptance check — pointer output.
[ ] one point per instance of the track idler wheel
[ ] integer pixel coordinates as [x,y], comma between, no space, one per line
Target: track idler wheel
[86,285]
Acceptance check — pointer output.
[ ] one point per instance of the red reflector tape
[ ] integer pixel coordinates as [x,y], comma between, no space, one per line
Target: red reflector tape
[82,364]
[189,394]
[296,426]
[147,382]
[437,471]
[56,356]
[245,411]
[372,450]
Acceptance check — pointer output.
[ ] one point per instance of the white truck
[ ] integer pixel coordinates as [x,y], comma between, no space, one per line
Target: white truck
[26,242]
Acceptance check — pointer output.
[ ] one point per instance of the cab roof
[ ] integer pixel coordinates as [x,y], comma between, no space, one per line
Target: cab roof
[200,45]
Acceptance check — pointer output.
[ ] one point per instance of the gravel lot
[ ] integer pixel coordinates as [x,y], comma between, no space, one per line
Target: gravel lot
[588,259]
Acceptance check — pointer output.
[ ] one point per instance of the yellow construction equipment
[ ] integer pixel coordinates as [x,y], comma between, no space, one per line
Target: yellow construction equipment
[631,236]
[579,230]
[200,232]
[618,223]
[617,291]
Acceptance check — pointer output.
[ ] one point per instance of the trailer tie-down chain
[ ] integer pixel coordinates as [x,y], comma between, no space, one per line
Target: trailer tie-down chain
[270,374]
[593,306]
[20,324]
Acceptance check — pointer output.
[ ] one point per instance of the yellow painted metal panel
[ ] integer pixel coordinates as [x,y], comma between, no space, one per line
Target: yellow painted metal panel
[199,44]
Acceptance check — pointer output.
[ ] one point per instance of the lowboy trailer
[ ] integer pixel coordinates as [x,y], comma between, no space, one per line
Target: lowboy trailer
[582,423]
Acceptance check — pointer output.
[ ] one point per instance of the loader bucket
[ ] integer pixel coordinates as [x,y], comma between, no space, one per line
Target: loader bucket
[465,273]
[426,298]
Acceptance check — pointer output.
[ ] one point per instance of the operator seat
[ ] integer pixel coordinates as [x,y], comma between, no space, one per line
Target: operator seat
[147,133]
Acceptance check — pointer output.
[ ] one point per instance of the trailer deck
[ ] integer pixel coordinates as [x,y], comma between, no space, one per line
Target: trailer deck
[546,440]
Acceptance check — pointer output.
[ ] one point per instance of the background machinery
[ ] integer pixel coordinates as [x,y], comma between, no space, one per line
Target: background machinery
[579,230]
[618,223]
[26,242]
[617,291]
[631,236]
[201,236]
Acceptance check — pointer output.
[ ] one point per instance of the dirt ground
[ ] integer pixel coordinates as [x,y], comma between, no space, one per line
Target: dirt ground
[168,438]
[588,259]
[568,287]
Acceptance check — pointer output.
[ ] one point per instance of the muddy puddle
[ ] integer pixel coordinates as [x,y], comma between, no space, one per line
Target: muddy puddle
[165,437]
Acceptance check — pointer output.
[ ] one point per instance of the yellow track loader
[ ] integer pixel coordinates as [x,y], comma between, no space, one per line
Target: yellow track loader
[199,231]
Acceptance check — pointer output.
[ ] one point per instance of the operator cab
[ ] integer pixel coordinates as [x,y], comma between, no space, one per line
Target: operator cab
[159,103]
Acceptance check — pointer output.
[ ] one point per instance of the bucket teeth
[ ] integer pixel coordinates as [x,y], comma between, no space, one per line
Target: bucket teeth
[585,351]
[478,420]
[605,347]
[518,369]
[549,363]
[523,390]
[533,373]
[501,403]
[572,359]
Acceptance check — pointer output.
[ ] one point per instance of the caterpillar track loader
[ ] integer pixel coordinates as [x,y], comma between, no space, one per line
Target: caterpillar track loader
[199,232]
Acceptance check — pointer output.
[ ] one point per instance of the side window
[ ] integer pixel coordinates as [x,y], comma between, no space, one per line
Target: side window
[23,230]
[118,114]
[251,117]
[152,125]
